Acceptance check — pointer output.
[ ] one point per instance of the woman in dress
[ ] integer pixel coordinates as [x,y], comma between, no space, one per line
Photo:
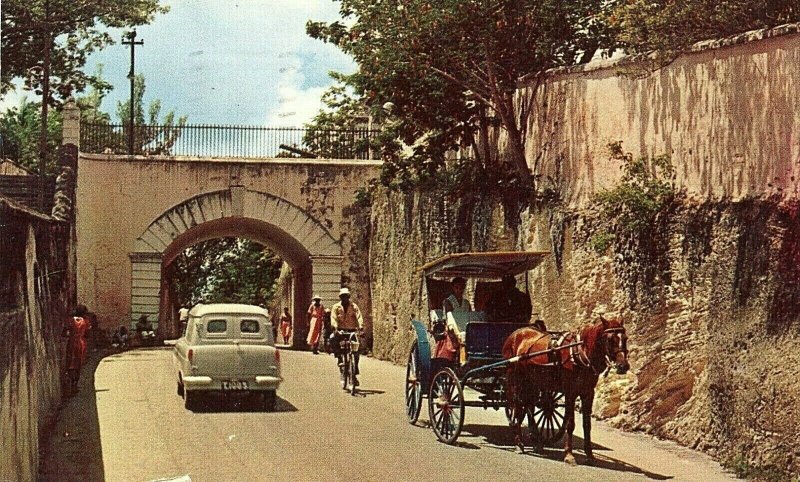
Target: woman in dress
[76,330]
[316,317]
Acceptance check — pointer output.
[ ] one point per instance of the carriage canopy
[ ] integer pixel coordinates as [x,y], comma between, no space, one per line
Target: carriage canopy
[484,265]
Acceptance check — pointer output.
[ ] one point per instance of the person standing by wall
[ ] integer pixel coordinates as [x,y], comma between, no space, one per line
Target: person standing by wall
[76,330]
[286,327]
[316,317]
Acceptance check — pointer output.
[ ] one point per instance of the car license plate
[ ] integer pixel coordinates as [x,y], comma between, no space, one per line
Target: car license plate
[234,385]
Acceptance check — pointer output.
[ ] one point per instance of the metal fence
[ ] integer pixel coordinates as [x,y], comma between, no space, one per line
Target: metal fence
[231,141]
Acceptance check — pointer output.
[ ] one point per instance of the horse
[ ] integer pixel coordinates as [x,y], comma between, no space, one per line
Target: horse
[596,348]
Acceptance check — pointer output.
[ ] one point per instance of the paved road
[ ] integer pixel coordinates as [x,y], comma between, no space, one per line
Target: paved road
[321,433]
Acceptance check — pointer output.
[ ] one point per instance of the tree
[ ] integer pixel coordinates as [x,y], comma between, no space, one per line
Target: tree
[19,129]
[343,128]
[450,68]
[153,135]
[667,27]
[47,42]
[227,270]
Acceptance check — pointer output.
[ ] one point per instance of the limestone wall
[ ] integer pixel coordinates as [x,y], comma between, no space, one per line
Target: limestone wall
[711,296]
[726,113]
[712,307]
[34,299]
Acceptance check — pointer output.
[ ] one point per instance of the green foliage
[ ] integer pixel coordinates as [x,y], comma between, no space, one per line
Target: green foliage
[72,29]
[450,68]
[19,128]
[667,27]
[342,128]
[91,102]
[154,135]
[229,270]
[601,241]
[647,186]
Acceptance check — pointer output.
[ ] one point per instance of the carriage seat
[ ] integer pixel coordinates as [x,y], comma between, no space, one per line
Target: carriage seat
[485,340]
[458,321]
[436,315]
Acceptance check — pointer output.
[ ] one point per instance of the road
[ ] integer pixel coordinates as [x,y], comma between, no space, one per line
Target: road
[319,432]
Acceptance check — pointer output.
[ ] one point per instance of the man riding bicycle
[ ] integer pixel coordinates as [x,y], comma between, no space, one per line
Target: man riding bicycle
[346,317]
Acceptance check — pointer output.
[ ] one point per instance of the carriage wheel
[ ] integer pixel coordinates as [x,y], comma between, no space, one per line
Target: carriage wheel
[546,418]
[446,406]
[413,386]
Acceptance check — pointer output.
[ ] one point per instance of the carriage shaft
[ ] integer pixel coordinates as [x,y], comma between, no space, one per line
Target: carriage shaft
[517,358]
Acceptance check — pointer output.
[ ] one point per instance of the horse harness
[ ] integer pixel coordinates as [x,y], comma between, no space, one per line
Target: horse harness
[577,352]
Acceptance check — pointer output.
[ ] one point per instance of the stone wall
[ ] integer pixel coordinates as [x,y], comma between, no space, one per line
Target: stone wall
[711,297]
[711,304]
[35,277]
[726,113]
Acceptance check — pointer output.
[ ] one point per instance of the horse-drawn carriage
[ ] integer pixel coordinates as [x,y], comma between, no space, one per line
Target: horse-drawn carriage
[482,369]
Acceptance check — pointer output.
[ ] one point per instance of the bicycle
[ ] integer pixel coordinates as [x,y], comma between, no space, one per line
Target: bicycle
[348,348]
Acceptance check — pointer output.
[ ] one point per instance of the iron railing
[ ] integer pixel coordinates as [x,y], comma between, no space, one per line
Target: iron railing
[231,141]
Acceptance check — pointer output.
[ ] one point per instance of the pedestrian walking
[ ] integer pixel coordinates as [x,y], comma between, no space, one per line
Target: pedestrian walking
[316,317]
[76,330]
[286,326]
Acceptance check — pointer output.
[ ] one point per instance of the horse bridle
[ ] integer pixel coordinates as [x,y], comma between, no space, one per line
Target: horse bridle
[611,357]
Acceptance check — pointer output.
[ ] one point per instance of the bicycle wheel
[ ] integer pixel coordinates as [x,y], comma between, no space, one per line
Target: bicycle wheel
[344,371]
[352,382]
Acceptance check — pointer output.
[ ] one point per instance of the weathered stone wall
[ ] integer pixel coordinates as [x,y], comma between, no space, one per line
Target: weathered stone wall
[409,230]
[712,327]
[35,277]
[711,299]
[726,113]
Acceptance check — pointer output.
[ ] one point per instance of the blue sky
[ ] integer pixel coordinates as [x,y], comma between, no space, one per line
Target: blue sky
[228,62]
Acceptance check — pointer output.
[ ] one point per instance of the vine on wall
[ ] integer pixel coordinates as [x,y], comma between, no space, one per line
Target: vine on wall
[634,217]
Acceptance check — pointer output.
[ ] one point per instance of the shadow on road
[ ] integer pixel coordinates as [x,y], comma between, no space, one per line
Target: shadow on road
[502,437]
[245,402]
[365,392]
[73,450]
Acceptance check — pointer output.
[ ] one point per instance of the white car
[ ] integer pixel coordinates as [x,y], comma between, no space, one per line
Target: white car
[228,348]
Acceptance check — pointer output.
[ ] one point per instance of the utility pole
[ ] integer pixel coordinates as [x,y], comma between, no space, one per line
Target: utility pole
[43,148]
[133,43]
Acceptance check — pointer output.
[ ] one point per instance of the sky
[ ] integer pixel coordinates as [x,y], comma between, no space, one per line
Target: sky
[245,62]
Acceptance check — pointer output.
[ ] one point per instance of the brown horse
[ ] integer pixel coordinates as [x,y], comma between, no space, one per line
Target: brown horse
[573,371]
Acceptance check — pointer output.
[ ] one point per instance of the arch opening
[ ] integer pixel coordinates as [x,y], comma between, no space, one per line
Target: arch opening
[237,235]
[307,248]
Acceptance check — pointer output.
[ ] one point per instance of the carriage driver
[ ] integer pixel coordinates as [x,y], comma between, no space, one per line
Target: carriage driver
[346,316]
[509,303]
[448,346]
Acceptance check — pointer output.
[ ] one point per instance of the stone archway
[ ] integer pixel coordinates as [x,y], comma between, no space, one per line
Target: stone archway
[290,231]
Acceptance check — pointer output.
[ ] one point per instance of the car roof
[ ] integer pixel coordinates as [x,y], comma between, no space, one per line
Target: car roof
[227,308]
[484,264]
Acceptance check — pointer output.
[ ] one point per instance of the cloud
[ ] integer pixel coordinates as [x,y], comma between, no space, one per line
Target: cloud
[297,104]
[13,98]
[228,61]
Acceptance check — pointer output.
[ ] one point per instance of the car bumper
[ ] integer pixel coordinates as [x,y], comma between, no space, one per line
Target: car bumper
[212,383]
